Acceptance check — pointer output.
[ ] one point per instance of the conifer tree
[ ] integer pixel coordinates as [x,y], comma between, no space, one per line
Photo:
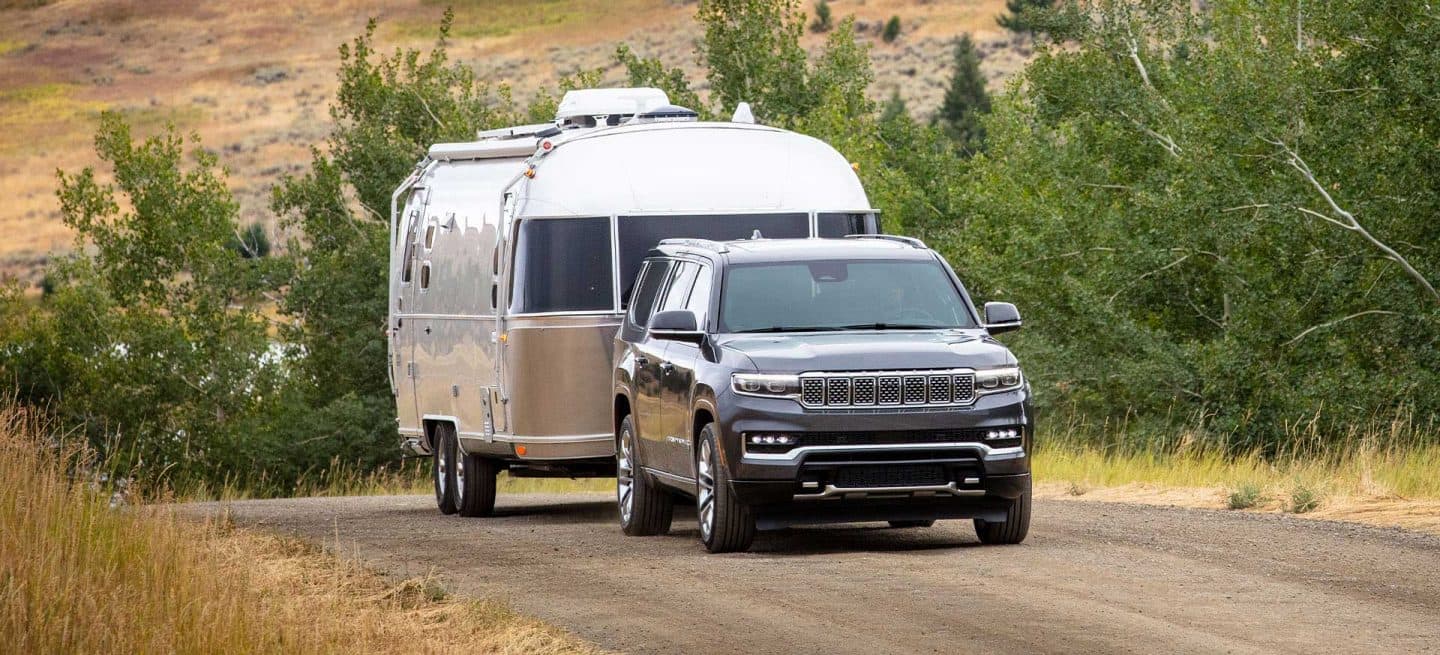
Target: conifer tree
[965,99]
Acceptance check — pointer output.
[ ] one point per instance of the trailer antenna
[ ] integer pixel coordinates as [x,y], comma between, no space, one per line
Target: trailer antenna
[756,235]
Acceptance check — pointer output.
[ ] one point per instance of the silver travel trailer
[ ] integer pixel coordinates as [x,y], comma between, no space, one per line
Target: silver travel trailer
[512,257]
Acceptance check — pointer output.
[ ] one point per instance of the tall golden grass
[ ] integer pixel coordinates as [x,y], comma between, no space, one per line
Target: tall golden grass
[80,576]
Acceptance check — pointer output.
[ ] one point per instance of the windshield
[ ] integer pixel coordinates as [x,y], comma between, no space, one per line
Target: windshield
[840,295]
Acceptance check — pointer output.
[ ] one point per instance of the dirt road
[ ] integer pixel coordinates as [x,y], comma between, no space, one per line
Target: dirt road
[1092,578]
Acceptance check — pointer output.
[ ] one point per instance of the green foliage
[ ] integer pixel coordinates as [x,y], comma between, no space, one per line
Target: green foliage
[1245,496]
[1020,16]
[252,243]
[891,30]
[651,72]
[966,99]
[147,344]
[823,21]
[1144,200]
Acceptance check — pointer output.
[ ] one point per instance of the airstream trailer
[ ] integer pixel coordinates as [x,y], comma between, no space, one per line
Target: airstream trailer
[512,257]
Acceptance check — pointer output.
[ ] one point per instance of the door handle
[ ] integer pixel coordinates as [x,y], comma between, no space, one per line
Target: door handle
[666,367]
[427,329]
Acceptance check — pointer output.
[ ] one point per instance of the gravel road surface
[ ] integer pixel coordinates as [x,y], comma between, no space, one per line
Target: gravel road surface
[1092,578]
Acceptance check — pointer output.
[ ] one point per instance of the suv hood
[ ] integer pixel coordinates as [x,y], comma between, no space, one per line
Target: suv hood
[869,350]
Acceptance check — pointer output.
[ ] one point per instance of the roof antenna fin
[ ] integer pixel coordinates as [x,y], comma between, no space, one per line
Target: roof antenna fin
[743,114]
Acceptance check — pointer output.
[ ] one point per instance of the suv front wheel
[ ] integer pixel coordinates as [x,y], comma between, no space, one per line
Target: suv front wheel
[1015,527]
[726,524]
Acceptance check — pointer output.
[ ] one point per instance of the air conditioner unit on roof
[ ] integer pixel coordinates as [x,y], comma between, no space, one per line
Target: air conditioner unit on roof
[587,107]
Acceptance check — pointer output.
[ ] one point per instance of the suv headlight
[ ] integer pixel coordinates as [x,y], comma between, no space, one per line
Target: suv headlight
[761,384]
[992,380]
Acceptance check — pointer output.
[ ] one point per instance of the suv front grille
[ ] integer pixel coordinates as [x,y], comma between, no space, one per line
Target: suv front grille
[902,388]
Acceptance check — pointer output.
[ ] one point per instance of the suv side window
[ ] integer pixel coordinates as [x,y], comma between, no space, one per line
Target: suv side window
[655,272]
[700,296]
[677,293]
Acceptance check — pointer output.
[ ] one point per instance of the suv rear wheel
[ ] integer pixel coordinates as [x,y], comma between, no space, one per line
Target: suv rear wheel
[645,508]
[726,524]
[442,467]
[1015,527]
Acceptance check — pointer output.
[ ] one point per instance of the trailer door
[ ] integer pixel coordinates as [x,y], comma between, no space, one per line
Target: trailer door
[402,328]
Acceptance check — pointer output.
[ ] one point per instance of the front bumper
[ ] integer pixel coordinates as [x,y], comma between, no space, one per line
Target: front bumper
[816,484]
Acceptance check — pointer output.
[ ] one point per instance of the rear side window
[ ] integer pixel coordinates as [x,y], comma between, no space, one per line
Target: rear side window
[563,265]
[643,303]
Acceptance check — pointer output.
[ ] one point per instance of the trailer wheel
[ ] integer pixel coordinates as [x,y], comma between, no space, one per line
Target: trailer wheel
[645,508]
[726,524]
[1015,527]
[475,484]
[442,467]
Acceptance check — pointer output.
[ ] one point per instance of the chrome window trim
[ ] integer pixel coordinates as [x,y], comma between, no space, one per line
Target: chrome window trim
[988,453]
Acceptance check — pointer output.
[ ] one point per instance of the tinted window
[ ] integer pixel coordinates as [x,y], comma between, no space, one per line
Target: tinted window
[830,295]
[700,296]
[562,265]
[644,301]
[638,234]
[834,226]
[678,291]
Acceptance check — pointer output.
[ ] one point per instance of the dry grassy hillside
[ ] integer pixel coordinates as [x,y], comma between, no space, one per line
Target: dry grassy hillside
[253,77]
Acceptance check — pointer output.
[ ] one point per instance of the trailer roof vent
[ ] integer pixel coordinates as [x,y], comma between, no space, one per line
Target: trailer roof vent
[599,107]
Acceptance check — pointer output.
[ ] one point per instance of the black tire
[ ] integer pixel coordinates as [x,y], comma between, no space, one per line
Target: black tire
[731,524]
[651,508]
[1015,527]
[912,524]
[442,469]
[475,484]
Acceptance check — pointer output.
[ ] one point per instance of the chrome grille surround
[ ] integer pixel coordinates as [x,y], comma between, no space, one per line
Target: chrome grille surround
[869,389]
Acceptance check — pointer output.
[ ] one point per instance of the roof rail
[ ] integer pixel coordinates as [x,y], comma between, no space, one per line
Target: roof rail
[909,241]
[706,244]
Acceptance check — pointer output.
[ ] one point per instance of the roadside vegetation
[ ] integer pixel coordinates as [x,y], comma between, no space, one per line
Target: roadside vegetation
[81,574]
[1218,222]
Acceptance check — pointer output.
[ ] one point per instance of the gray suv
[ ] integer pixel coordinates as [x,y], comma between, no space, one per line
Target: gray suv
[799,381]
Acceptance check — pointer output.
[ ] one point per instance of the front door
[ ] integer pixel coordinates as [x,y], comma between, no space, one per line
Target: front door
[676,378]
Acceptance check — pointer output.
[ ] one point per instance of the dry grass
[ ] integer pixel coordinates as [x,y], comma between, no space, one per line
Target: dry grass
[79,576]
[1385,474]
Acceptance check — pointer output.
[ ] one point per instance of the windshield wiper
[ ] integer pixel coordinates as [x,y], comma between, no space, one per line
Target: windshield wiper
[789,328]
[892,326]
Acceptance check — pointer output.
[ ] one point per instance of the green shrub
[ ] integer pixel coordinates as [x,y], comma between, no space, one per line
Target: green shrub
[892,30]
[1304,498]
[823,21]
[1245,496]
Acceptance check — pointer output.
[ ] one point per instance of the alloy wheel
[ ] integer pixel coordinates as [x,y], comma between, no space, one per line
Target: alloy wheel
[459,477]
[442,478]
[705,496]
[625,476]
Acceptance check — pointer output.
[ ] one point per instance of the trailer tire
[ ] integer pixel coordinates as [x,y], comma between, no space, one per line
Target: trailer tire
[475,480]
[442,467]
[1015,527]
[650,508]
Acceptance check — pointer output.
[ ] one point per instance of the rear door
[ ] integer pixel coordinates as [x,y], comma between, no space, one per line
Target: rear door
[648,353]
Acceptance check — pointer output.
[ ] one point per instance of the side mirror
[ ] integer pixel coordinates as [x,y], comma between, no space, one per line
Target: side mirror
[1001,317]
[676,325]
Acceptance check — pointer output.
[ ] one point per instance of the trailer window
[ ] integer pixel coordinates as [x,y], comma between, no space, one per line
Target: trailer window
[562,265]
[836,225]
[638,234]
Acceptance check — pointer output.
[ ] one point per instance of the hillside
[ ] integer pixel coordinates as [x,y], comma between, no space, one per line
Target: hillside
[253,78]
